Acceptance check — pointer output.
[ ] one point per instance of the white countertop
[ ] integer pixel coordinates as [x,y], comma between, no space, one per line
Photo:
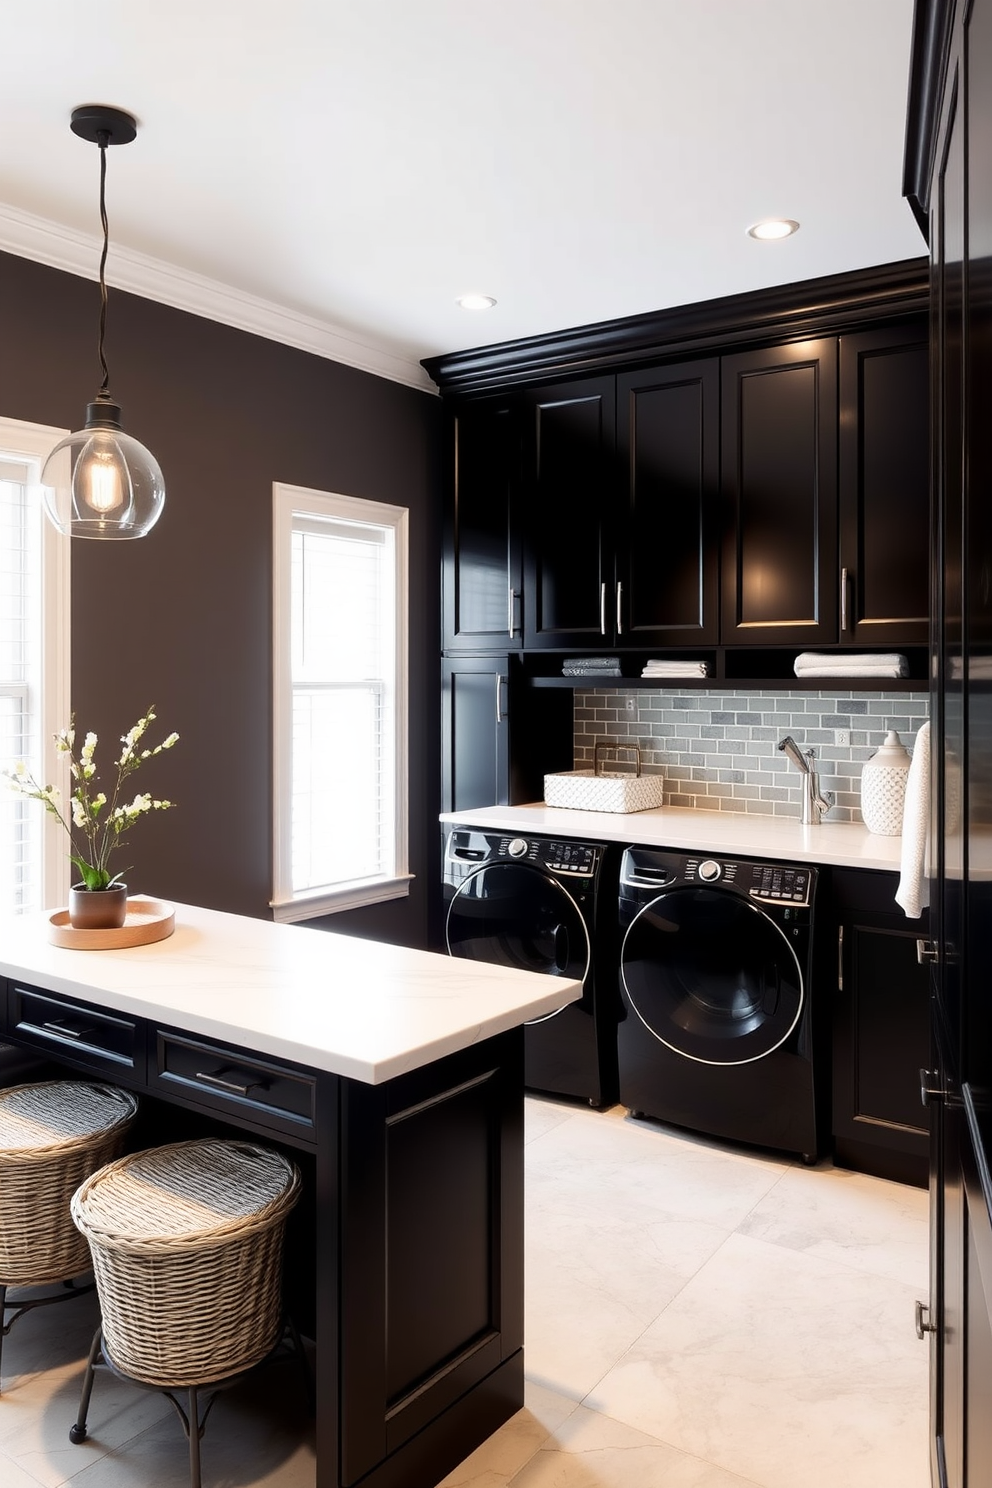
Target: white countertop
[334,1002]
[843,844]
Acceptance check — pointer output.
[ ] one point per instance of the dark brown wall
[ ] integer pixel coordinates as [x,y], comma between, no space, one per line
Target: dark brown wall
[182,618]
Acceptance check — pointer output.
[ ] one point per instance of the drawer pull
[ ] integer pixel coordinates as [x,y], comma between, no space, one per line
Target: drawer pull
[233,1087]
[65,1030]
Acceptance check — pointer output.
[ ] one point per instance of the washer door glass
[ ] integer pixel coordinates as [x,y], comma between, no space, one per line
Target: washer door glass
[515,915]
[711,976]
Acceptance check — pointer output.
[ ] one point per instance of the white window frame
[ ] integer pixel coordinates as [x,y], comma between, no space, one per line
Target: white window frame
[49,693]
[287,904]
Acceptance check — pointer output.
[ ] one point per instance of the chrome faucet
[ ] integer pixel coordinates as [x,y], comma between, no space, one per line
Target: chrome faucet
[815,801]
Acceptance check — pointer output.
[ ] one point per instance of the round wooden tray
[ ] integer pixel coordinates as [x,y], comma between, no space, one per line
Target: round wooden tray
[147,920]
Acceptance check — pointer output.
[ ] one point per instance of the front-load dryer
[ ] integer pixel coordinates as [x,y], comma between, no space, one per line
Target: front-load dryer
[542,904]
[717,1020]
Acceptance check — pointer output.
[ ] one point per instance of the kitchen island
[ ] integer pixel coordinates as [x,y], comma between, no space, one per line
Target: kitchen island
[395,1078]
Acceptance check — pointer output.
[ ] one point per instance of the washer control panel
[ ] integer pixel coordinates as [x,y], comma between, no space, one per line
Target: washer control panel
[775,884]
[576,859]
[770,883]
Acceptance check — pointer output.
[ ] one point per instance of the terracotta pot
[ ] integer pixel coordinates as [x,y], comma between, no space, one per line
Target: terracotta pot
[97,909]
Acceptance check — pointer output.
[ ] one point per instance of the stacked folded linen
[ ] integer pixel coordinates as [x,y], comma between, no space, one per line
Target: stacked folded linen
[668,668]
[851,664]
[591,666]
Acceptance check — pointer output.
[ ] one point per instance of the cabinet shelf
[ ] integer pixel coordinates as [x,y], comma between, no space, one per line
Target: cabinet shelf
[766,670]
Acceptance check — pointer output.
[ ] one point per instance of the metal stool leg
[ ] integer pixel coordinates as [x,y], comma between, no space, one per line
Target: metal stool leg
[77,1431]
[3,1330]
[195,1432]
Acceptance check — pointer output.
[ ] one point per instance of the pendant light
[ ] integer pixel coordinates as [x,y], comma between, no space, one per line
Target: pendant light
[100,482]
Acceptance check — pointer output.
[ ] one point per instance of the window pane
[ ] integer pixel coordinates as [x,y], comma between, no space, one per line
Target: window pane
[337,772]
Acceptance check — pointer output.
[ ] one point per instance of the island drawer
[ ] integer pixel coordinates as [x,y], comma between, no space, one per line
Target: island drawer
[228,1079]
[94,1039]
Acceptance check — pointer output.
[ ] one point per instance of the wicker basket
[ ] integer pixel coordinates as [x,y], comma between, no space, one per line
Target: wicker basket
[53,1134]
[187,1245]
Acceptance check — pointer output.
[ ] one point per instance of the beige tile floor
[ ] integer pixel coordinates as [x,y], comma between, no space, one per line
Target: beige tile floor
[697,1317]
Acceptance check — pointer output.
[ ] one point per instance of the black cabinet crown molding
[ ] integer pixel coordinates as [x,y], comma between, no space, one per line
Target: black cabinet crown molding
[811,307]
[928,65]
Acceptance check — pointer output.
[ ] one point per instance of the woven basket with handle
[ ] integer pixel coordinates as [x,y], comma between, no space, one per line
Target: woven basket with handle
[187,1243]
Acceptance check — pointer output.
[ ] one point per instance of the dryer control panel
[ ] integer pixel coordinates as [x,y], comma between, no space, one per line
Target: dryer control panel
[576,859]
[645,872]
[771,883]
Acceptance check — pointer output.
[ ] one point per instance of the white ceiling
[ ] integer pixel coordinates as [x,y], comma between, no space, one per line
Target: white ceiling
[335,172]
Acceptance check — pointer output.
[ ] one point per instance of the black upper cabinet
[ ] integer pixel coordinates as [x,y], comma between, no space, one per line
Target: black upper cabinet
[667,542]
[779,454]
[481,574]
[568,494]
[884,487]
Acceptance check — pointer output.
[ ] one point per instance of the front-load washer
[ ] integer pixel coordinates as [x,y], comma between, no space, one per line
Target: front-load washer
[717,1020]
[542,904]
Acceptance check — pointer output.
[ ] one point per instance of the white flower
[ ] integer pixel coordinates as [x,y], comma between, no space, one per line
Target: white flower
[78,813]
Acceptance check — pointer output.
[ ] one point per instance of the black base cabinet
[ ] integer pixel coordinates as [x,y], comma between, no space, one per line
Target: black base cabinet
[881,1037]
[404,1258]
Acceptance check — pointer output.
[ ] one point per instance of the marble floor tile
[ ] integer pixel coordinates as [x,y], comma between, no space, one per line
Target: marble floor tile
[619,1216]
[258,1436]
[592,1451]
[873,1225]
[494,1463]
[784,1368]
[541,1115]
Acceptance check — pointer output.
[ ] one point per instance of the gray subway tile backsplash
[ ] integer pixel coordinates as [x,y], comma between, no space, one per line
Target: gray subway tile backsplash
[717,749]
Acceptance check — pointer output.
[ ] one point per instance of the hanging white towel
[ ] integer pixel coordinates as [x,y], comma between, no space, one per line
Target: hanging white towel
[913,893]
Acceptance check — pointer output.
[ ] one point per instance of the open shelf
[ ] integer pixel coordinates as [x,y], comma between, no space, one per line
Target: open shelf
[766,669]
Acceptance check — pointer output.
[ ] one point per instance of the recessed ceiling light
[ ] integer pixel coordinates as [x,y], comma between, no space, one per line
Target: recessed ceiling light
[773,227]
[475,302]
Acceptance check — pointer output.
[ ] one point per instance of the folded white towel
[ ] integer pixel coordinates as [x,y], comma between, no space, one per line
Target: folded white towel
[851,671]
[913,892]
[662,668]
[847,662]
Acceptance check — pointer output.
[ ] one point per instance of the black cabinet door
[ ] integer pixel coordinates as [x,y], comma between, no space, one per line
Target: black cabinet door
[481,572]
[884,461]
[881,1032]
[499,737]
[474,732]
[568,492]
[779,476]
[668,444]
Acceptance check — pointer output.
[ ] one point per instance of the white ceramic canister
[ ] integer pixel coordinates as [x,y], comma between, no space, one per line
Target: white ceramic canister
[883,787]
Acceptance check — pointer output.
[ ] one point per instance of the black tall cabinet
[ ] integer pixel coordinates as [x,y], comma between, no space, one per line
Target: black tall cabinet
[949,183]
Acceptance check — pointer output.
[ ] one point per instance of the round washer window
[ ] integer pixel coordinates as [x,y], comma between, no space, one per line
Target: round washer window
[711,976]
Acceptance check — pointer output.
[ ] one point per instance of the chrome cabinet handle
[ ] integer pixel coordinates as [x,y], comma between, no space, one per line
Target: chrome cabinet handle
[923,1323]
[840,959]
[619,619]
[843,600]
[499,709]
[509,612]
[602,609]
[64,1031]
[927,952]
[233,1087]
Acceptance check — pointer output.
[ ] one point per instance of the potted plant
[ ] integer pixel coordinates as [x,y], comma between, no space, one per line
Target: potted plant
[95,822]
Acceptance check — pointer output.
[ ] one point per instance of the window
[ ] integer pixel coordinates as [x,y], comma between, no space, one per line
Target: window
[34,669]
[340,702]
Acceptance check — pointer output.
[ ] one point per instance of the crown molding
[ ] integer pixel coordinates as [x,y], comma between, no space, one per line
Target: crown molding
[785,312]
[59,247]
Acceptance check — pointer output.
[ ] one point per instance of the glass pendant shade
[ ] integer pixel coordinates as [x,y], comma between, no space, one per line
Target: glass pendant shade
[100,482]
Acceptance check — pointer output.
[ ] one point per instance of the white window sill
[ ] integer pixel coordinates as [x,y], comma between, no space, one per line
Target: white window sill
[348,896]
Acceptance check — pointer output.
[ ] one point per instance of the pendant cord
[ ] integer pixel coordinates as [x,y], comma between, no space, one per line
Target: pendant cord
[103,138]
